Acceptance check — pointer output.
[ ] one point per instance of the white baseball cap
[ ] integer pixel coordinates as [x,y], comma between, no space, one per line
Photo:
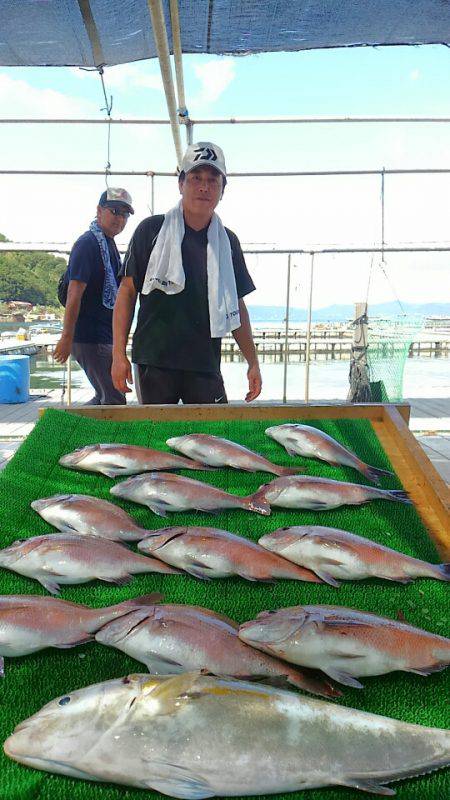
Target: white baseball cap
[204,154]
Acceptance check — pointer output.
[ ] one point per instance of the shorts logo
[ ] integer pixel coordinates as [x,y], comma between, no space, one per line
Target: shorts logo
[205,154]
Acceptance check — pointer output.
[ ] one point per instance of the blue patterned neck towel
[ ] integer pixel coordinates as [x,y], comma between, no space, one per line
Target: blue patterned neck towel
[110,283]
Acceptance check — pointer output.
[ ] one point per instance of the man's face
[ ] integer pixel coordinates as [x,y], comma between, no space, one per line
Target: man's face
[201,190]
[112,220]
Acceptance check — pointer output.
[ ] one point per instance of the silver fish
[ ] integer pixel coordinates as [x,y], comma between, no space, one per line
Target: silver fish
[29,623]
[163,492]
[196,737]
[115,460]
[170,639]
[320,494]
[217,452]
[71,558]
[213,553]
[346,643]
[81,513]
[305,440]
[335,555]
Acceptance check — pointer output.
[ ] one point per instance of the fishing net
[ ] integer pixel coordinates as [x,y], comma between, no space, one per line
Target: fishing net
[389,342]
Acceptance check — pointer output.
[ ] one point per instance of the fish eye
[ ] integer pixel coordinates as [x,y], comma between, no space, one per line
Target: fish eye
[64,701]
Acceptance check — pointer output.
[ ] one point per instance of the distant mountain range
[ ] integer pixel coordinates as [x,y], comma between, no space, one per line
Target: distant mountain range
[340,313]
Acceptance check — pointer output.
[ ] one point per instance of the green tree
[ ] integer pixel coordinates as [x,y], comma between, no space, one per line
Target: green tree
[3,238]
[32,277]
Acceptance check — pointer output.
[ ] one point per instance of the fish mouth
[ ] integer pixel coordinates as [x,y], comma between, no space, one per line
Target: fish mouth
[173,440]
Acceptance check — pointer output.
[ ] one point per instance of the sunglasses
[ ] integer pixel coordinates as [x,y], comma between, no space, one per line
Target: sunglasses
[117,212]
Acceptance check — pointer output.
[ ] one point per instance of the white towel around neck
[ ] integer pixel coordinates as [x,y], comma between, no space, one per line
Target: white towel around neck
[165,270]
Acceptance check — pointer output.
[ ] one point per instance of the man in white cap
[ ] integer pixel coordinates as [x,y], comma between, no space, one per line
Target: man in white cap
[191,277]
[92,282]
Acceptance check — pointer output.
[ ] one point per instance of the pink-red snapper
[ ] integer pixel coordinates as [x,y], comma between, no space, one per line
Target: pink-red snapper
[346,643]
[81,513]
[217,452]
[170,639]
[29,623]
[335,555]
[305,440]
[68,558]
[163,492]
[321,494]
[115,460]
[214,553]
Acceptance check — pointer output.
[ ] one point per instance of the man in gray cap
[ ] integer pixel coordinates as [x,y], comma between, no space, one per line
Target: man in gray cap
[92,282]
[191,277]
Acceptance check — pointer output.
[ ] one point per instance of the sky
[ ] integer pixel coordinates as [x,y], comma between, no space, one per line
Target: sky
[266,213]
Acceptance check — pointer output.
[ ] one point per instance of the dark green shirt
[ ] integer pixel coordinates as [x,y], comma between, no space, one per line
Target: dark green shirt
[173,331]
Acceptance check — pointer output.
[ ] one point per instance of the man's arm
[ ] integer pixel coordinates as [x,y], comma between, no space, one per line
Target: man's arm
[122,318]
[75,292]
[244,338]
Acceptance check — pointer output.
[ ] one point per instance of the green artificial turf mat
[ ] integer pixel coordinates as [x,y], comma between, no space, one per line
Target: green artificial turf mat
[33,680]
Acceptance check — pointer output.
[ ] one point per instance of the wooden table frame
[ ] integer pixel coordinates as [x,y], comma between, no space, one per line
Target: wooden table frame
[428,491]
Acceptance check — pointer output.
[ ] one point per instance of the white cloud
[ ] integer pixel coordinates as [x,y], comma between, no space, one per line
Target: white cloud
[124,76]
[19,99]
[215,77]
[415,75]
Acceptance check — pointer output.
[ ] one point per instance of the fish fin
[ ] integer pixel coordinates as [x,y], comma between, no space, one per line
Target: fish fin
[327,578]
[311,682]
[258,502]
[214,511]
[365,785]
[52,586]
[428,670]
[343,677]
[158,507]
[373,473]
[255,578]
[176,781]
[397,494]
[120,580]
[281,471]
[142,600]
[442,572]
[290,449]
[172,693]
[112,473]
[158,665]
[66,645]
[191,569]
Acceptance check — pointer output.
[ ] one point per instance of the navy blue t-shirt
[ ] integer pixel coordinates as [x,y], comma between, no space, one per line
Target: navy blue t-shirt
[94,323]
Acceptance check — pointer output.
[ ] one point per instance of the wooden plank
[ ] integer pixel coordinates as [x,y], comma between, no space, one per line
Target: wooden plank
[428,491]
[235,411]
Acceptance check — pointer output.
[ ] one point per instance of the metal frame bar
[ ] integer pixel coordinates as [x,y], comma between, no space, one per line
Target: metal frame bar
[303,173]
[235,120]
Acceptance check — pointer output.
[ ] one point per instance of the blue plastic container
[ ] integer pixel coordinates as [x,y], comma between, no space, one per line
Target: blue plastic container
[14,379]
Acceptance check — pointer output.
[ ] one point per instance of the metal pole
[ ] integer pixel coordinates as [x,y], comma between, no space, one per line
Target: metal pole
[308,329]
[69,381]
[382,214]
[162,48]
[152,197]
[286,330]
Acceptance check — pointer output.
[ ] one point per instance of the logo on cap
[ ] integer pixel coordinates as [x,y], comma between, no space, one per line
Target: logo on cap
[205,154]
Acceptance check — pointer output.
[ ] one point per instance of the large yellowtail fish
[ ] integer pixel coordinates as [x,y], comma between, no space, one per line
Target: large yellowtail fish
[163,492]
[320,494]
[217,452]
[29,623]
[195,737]
[305,440]
[81,513]
[114,460]
[336,555]
[170,639]
[346,643]
[214,553]
[67,558]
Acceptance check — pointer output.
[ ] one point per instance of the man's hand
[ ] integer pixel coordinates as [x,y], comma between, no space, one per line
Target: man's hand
[254,383]
[121,374]
[62,349]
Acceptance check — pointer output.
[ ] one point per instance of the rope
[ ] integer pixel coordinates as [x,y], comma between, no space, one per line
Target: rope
[108,108]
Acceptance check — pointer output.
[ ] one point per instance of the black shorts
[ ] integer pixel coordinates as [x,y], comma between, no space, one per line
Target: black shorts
[155,385]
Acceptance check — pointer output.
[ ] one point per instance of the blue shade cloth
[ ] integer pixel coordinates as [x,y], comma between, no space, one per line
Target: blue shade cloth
[87,34]
[110,283]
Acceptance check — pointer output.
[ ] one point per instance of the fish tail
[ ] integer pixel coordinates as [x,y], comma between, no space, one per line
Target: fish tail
[257,502]
[373,473]
[397,494]
[441,571]
[312,683]
[290,471]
